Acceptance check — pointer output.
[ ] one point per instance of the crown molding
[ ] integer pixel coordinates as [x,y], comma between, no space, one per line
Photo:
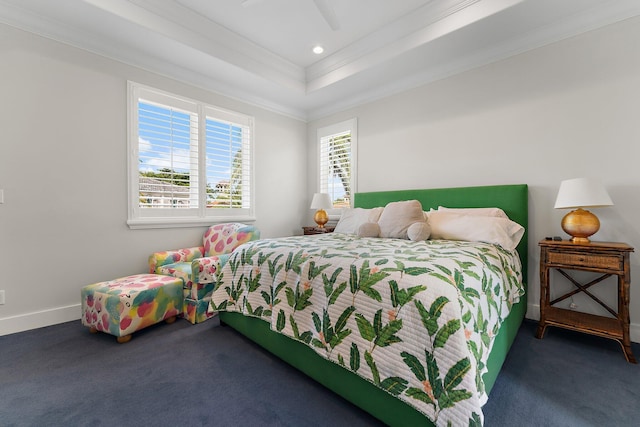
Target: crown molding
[177,22]
[395,58]
[228,80]
[580,23]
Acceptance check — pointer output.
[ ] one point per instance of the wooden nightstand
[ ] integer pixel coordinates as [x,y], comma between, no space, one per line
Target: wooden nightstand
[604,258]
[316,230]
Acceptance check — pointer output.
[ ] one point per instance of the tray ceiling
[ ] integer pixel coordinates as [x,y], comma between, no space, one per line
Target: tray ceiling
[260,50]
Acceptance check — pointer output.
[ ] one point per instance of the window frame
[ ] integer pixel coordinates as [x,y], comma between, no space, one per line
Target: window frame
[350,125]
[141,218]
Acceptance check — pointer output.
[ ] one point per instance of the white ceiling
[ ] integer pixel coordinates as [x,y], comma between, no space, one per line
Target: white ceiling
[260,50]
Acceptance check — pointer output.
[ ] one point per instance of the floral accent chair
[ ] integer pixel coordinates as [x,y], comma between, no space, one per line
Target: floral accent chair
[199,267]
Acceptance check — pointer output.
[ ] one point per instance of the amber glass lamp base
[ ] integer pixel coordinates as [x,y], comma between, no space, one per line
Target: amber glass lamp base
[321,218]
[580,224]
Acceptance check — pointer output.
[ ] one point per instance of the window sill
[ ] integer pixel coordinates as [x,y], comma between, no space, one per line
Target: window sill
[149,223]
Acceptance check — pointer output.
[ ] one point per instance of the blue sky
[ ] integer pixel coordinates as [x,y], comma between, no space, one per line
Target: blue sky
[165,142]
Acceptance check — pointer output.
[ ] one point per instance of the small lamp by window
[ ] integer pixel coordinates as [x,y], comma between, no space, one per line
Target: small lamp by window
[581,193]
[321,201]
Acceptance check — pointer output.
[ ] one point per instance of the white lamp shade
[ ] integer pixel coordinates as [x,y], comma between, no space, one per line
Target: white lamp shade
[321,201]
[582,193]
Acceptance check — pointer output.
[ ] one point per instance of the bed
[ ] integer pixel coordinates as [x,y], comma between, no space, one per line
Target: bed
[308,316]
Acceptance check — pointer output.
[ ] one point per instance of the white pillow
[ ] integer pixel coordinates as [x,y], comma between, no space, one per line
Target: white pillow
[496,212]
[473,228]
[352,219]
[398,216]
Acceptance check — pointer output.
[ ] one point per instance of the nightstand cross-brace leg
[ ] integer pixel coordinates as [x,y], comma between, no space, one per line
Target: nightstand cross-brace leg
[583,288]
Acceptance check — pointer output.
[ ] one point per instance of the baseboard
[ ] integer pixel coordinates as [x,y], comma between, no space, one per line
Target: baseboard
[533,312]
[39,319]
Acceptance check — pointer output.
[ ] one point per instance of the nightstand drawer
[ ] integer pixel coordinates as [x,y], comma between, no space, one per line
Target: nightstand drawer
[609,262]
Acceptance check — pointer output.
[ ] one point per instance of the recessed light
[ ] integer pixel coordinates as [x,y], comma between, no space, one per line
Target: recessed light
[318,49]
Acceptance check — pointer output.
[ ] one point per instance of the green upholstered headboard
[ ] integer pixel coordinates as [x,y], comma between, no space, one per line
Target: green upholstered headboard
[512,199]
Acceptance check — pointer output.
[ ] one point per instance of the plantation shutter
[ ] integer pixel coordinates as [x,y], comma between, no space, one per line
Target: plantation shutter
[336,168]
[173,156]
[228,159]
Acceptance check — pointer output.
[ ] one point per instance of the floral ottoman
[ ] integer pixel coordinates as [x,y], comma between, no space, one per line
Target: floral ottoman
[122,306]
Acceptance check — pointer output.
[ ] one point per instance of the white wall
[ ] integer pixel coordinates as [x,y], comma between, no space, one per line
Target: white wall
[63,168]
[566,110]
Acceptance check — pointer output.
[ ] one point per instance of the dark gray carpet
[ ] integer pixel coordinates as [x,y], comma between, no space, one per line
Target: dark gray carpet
[566,379]
[207,375]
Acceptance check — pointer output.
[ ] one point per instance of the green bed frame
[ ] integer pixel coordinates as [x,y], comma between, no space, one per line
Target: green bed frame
[513,199]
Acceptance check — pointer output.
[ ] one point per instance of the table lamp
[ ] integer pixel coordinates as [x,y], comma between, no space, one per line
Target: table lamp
[577,194]
[321,201]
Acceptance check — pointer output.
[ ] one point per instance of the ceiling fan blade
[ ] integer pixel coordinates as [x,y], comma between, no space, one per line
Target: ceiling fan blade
[328,14]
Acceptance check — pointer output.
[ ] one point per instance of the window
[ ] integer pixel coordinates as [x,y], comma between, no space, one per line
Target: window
[337,163]
[190,163]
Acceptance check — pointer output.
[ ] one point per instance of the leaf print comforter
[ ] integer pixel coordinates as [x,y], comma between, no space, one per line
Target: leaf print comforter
[417,319]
